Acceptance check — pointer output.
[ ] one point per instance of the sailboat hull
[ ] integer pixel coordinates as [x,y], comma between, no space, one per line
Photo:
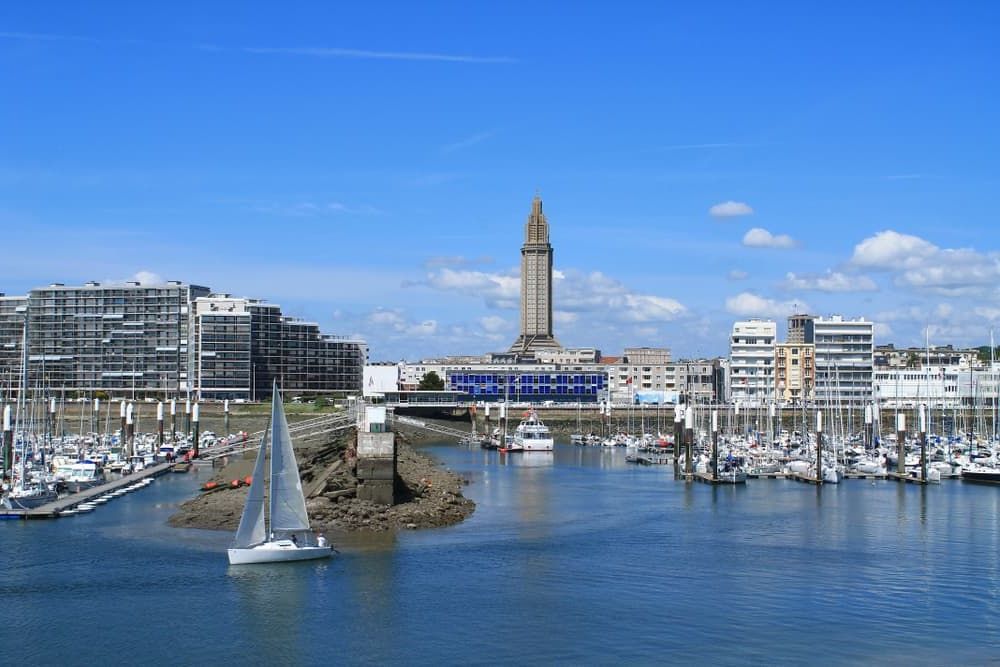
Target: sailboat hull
[277,552]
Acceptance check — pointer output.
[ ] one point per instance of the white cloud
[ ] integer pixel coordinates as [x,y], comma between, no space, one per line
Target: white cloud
[494,323]
[324,52]
[831,281]
[143,277]
[575,293]
[882,331]
[596,293]
[563,317]
[438,261]
[990,313]
[499,290]
[920,264]
[312,51]
[730,209]
[309,209]
[468,142]
[747,304]
[761,238]
[390,318]
[422,329]
[737,274]
[147,278]
[891,250]
[393,321]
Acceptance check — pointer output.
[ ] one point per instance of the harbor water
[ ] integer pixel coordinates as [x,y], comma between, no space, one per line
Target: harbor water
[572,556]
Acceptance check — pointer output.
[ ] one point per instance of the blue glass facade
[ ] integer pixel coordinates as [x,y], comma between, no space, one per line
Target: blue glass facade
[525,386]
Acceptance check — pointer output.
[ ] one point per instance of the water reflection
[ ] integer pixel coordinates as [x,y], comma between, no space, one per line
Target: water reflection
[528,459]
[272,600]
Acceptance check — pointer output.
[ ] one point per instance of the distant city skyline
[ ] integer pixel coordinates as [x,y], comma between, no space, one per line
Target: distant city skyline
[699,165]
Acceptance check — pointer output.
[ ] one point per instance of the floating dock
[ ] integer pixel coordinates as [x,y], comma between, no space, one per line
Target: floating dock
[799,477]
[51,510]
[707,478]
[906,478]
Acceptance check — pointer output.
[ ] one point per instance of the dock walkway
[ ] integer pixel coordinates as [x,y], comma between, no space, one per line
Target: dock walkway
[52,510]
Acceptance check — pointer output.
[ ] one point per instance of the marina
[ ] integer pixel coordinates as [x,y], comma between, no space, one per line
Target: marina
[59,507]
[593,541]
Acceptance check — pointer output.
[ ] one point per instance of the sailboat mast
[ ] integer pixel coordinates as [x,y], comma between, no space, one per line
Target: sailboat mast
[993,381]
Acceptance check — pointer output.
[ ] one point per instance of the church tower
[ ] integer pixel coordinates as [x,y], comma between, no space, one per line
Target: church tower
[536,285]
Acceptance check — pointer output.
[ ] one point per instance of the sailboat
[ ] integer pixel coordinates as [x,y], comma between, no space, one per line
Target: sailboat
[284,533]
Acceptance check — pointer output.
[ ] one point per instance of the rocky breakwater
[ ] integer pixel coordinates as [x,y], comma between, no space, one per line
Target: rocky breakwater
[429,495]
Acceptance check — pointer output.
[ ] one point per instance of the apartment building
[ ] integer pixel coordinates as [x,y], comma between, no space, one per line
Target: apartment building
[168,339]
[794,371]
[751,361]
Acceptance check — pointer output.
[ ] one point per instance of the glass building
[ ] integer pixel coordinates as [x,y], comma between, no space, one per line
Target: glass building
[528,386]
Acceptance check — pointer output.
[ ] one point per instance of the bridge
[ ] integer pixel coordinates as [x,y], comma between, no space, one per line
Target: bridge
[459,434]
[325,424]
[309,427]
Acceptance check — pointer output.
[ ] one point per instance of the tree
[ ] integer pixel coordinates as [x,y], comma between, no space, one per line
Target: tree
[431,382]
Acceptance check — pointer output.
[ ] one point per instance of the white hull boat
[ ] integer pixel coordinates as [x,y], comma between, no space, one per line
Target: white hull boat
[532,435]
[285,535]
[278,551]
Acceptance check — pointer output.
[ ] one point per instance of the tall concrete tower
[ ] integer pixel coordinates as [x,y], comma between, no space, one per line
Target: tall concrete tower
[536,285]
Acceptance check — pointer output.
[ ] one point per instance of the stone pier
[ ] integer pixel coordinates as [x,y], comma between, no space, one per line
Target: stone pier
[376,468]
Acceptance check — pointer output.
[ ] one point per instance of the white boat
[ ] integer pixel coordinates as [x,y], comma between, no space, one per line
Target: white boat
[288,536]
[532,435]
[28,496]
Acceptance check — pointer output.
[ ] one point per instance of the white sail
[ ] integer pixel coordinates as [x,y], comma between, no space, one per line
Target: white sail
[287,502]
[251,530]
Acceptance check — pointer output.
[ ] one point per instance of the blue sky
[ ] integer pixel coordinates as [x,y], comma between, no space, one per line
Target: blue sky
[371,167]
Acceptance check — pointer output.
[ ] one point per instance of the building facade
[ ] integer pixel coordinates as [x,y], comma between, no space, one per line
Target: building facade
[536,285]
[168,339]
[751,361]
[844,359]
[794,371]
[13,312]
[889,356]
[945,387]
[223,360]
[528,385]
[119,338]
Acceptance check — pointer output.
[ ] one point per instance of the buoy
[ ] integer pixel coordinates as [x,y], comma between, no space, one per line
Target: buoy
[235,484]
[209,485]
[248,480]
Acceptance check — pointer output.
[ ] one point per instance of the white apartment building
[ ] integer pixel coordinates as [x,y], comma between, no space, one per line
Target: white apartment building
[751,361]
[844,358]
[945,387]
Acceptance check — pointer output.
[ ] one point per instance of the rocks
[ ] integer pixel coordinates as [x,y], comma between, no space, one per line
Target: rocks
[429,495]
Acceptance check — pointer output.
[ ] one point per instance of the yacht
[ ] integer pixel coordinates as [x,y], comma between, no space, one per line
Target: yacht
[532,435]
